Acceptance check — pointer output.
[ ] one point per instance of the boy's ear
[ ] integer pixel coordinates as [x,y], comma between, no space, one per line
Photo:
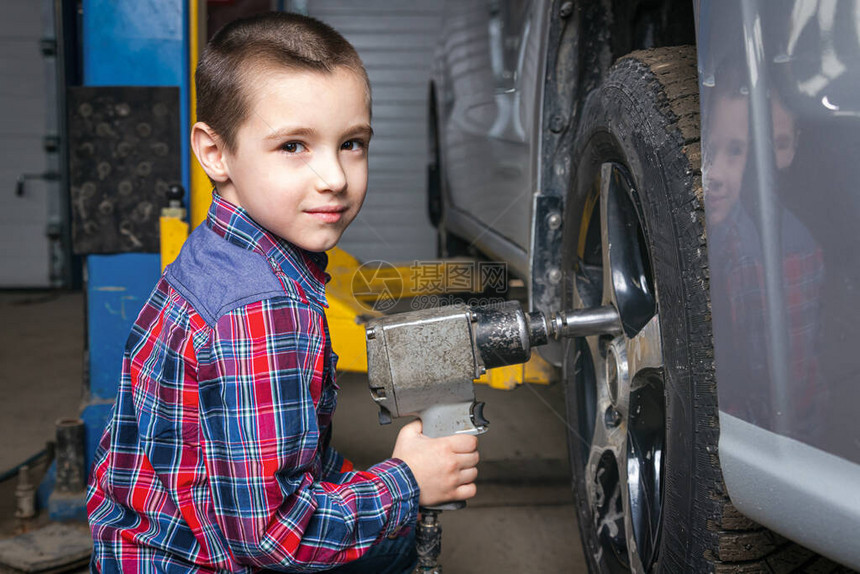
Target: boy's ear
[209,149]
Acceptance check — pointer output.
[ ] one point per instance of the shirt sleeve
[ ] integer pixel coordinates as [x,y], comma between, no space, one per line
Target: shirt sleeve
[334,463]
[259,397]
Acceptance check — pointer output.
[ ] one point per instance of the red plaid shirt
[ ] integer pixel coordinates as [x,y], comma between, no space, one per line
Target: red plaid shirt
[740,319]
[216,458]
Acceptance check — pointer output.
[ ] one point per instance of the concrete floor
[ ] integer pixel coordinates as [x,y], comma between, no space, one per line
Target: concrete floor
[41,365]
[522,520]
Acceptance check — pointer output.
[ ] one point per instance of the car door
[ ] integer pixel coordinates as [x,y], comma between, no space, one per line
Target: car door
[493,59]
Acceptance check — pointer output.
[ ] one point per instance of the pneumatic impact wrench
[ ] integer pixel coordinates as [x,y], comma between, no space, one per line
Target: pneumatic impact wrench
[424,363]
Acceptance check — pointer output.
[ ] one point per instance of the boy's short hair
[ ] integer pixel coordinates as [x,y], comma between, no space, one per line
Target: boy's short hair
[245,46]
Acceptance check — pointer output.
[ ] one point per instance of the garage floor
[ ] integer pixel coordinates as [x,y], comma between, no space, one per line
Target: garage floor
[522,520]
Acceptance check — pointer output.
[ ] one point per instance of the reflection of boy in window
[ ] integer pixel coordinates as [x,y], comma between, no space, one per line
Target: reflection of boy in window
[785,134]
[738,290]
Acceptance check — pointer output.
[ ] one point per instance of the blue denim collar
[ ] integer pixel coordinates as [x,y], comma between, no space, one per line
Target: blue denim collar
[235,225]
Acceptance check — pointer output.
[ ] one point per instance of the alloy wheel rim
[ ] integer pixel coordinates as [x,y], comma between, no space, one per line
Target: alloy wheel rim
[619,380]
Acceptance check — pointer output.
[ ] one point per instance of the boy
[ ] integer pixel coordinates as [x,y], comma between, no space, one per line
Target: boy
[217,457]
[740,296]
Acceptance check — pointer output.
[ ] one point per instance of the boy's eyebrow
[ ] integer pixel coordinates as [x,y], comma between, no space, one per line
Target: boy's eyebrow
[290,131]
[362,129]
[287,131]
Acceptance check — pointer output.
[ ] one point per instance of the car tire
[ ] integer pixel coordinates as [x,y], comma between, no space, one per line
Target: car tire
[642,401]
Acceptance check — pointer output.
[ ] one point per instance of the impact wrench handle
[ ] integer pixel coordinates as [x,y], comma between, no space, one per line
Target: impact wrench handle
[446,420]
[438,421]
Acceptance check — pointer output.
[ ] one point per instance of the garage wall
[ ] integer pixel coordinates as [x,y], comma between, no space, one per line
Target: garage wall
[396,41]
[23,244]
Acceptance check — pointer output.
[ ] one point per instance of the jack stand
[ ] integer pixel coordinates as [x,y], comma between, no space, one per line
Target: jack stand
[25,494]
[428,542]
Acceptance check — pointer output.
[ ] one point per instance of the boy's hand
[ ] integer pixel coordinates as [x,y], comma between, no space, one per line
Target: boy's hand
[445,467]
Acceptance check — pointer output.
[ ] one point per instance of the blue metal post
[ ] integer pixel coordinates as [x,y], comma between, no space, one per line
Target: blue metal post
[125,43]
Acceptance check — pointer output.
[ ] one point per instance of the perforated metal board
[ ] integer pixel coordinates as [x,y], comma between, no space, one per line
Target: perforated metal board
[124,153]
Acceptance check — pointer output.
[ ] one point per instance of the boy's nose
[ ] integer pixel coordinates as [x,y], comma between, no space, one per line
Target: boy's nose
[715,165]
[331,176]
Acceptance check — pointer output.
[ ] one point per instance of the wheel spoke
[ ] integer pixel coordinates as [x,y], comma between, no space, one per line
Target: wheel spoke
[608,507]
[645,351]
[606,220]
[627,279]
[632,509]
[591,474]
[606,433]
[596,435]
[589,373]
[644,466]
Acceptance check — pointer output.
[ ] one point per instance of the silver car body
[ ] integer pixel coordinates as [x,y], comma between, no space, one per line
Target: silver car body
[788,386]
[487,82]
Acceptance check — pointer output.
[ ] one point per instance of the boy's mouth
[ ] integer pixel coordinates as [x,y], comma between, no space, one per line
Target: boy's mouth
[327,214]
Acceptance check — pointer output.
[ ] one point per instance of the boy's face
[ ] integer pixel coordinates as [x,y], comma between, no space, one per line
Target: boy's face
[725,156]
[300,161]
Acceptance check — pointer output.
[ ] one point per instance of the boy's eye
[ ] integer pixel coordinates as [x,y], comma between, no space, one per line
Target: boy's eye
[352,145]
[736,149]
[293,147]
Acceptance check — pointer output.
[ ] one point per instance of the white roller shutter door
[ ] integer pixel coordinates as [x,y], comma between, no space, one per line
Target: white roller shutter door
[23,243]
